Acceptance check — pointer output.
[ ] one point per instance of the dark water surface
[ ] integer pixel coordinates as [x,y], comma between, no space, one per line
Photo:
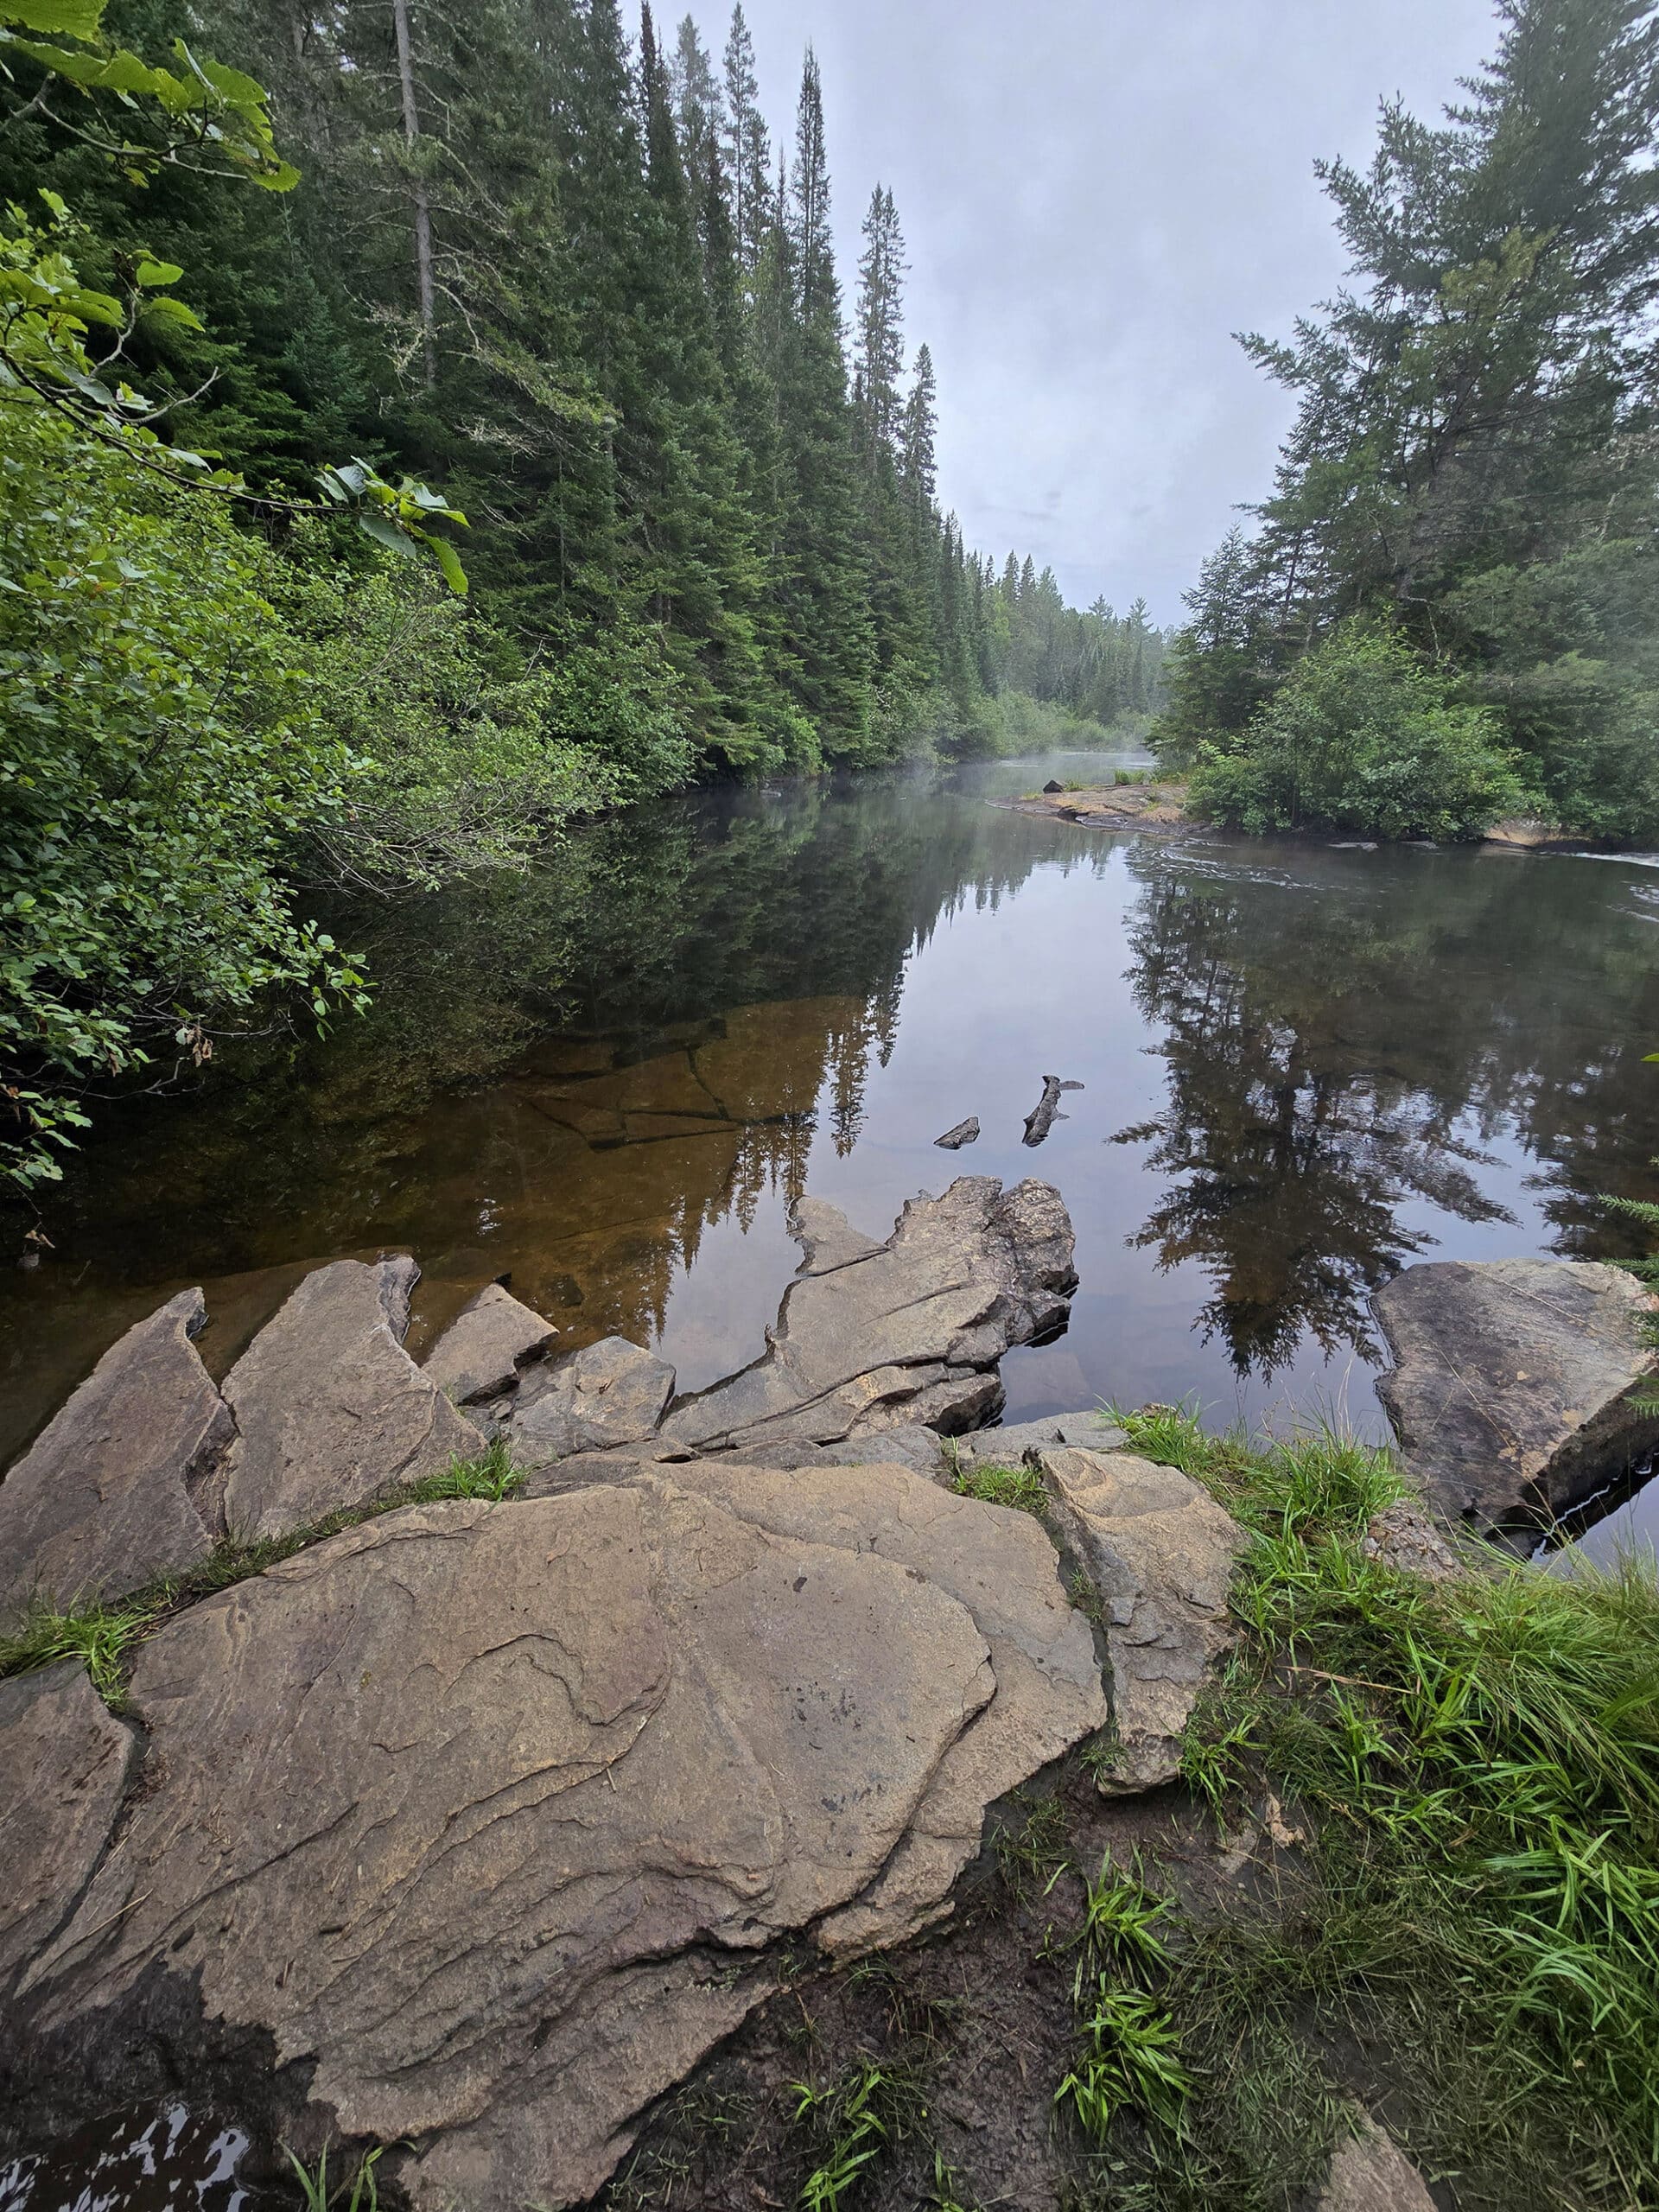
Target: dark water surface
[1303,1067]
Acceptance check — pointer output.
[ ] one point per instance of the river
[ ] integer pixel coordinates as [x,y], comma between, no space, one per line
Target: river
[1302,1068]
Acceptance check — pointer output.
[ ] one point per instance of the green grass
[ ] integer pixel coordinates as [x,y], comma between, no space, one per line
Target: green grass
[1472,1920]
[1020,1488]
[855,2118]
[103,1636]
[315,2196]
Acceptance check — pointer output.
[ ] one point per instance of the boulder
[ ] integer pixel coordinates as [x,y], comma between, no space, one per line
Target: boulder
[1511,1388]
[482,1352]
[1403,1537]
[67,1762]
[331,1411]
[1160,1554]
[121,1484]
[1369,2173]
[609,1394]
[909,1331]
[479,1820]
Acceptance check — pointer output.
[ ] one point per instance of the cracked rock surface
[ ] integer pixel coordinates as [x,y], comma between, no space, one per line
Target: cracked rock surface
[121,1484]
[908,1331]
[1509,1387]
[486,1817]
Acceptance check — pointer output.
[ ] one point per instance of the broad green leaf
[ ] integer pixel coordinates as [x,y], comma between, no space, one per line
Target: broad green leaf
[157,273]
[55,18]
[375,525]
[449,561]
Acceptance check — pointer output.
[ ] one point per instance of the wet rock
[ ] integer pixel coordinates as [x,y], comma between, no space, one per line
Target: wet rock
[121,1486]
[610,1393]
[330,1409]
[1510,1388]
[481,1353]
[1160,1554]
[1407,1540]
[964,1133]
[483,1816]
[1051,787]
[906,1332]
[67,1761]
[1002,1567]
[1524,834]
[1369,2173]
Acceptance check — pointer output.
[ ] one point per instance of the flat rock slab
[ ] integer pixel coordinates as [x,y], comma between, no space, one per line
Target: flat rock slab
[908,1332]
[486,1815]
[485,1348]
[609,1394]
[1508,1389]
[1161,1552]
[66,1762]
[331,1411]
[121,1484]
[1369,2173]
[1019,1442]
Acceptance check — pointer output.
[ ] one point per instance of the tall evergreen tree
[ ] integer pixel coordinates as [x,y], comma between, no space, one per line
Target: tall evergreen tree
[747,147]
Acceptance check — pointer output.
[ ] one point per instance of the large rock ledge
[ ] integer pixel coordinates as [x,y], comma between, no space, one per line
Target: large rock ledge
[1510,1392]
[487,1817]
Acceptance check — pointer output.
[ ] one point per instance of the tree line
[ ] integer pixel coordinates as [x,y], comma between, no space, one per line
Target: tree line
[269,272]
[1444,612]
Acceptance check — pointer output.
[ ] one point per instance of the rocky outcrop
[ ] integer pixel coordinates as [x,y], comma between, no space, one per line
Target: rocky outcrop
[330,1410]
[1369,2173]
[908,1331]
[483,1821]
[1511,1388]
[121,1485]
[1020,1444]
[66,1761]
[608,1394]
[1161,1552]
[483,1352]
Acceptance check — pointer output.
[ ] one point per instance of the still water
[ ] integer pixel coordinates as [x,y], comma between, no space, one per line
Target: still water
[1303,1068]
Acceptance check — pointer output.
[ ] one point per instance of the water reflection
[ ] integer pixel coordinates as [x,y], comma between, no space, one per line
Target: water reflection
[145,2160]
[1302,1067]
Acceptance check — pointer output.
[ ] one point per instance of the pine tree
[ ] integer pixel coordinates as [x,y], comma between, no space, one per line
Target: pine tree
[747,147]
[880,354]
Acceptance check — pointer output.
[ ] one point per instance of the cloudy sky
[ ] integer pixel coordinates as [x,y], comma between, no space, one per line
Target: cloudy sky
[1095,195]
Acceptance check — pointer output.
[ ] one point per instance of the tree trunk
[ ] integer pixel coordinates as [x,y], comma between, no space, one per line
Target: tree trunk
[423,208]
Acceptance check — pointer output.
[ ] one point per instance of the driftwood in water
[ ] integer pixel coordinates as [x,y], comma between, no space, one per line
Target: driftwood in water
[1047,1110]
[964,1133]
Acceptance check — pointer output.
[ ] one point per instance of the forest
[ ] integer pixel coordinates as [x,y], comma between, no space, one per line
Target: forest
[1444,612]
[268,273]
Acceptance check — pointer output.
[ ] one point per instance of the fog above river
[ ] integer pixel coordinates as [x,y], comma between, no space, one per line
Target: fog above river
[1096,193]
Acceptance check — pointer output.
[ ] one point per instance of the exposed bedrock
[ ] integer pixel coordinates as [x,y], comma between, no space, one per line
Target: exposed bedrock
[906,1331]
[484,1352]
[483,1818]
[1511,1388]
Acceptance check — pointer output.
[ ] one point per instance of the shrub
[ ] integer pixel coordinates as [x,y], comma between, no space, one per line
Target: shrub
[1364,735]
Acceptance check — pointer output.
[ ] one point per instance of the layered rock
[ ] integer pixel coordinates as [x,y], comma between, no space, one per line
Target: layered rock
[1511,1384]
[486,1348]
[121,1485]
[485,1817]
[67,1762]
[330,1410]
[608,1394]
[1161,1552]
[908,1331]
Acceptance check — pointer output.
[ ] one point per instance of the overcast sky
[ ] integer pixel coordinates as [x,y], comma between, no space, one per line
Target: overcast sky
[1095,193]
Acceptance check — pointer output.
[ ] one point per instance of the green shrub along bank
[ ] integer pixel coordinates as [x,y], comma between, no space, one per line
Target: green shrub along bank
[1461,1922]
[1471,464]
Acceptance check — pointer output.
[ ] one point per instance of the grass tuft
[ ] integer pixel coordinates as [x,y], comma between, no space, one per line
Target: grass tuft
[1019,1488]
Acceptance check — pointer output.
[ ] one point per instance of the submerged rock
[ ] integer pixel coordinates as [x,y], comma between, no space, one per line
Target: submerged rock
[609,1394]
[480,1821]
[1161,1552]
[122,1485]
[67,1761]
[331,1411]
[481,1353]
[1511,1388]
[909,1331]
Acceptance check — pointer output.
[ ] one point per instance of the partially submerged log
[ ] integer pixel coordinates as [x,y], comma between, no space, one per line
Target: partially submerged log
[1047,1110]
[964,1133]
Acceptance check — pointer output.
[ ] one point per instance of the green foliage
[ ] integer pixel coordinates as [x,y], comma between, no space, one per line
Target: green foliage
[1364,735]
[100,1636]
[1128,2057]
[852,2113]
[1020,1488]
[315,2196]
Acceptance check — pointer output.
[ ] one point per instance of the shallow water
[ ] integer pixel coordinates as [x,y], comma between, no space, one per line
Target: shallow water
[1303,1068]
[152,2158]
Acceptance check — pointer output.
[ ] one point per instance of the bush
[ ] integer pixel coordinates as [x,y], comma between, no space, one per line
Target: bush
[1364,735]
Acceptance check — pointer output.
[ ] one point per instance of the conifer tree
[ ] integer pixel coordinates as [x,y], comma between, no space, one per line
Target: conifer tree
[746,146]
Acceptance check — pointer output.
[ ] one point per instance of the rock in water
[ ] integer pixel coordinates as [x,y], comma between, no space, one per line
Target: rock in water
[1511,1379]
[1051,787]
[330,1409]
[608,1394]
[909,1331]
[66,1761]
[964,1133]
[1161,1552]
[481,1353]
[121,1486]
[483,1816]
